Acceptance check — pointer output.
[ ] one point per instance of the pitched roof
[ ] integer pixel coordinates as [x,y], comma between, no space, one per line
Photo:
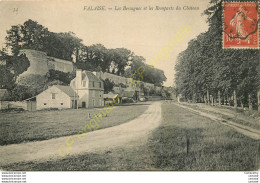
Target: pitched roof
[67,89]
[110,95]
[4,94]
[129,94]
[90,76]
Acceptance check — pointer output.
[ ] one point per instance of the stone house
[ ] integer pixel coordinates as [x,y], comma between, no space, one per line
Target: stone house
[89,88]
[57,96]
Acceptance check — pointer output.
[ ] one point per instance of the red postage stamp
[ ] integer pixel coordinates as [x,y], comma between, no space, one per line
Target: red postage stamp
[240,25]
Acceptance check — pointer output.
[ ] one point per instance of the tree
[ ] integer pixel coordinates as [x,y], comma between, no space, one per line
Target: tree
[14,39]
[6,78]
[63,77]
[32,35]
[65,46]
[205,68]
[120,56]
[15,64]
[94,57]
[108,85]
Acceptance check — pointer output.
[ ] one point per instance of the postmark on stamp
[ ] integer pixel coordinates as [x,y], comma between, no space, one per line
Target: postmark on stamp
[240,25]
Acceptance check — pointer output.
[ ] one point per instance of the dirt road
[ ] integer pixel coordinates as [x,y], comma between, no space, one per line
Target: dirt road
[130,133]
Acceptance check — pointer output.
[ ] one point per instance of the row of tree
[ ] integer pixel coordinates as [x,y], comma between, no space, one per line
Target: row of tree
[205,72]
[119,61]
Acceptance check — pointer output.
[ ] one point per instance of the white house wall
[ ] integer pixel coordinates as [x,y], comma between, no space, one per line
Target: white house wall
[83,96]
[44,99]
[96,98]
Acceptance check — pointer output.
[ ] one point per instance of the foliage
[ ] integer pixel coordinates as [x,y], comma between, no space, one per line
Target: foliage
[206,66]
[28,86]
[67,46]
[167,92]
[108,85]
[152,91]
[32,35]
[63,77]
[15,64]
[6,78]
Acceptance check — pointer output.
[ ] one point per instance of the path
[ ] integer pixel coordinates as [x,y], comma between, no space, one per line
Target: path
[130,133]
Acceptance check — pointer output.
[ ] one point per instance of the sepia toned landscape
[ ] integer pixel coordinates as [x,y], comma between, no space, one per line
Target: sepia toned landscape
[129,86]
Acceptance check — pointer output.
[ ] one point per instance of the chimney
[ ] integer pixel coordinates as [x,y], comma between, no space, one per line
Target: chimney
[98,74]
[78,78]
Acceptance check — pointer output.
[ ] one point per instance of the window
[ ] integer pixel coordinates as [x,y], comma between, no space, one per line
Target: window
[84,83]
[53,96]
[93,102]
[99,84]
[61,103]
[100,94]
[44,103]
[93,83]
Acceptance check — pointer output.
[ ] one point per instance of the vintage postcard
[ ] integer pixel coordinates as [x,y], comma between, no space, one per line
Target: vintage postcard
[129,85]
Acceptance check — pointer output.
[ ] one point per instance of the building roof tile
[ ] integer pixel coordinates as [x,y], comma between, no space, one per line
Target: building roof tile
[67,90]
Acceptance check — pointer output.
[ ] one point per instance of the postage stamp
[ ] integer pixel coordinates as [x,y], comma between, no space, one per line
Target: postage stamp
[240,24]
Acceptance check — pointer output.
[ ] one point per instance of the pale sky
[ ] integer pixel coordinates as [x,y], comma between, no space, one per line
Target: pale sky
[144,32]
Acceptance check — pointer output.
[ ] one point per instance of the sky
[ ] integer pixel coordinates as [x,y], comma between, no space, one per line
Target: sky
[145,32]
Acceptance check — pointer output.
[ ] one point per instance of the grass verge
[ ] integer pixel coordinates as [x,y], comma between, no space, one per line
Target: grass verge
[188,141]
[21,127]
[183,142]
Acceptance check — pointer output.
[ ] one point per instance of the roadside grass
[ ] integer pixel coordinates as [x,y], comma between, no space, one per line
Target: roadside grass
[212,147]
[18,127]
[126,158]
[237,116]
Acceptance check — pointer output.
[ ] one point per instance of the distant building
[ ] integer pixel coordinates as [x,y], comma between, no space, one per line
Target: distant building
[57,96]
[110,97]
[115,78]
[89,88]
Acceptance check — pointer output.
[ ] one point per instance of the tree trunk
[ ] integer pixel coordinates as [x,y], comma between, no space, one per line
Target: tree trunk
[212,100]
[219,99]
[193,98]
[208,97]
[235,99]
[258,101]
[242,105]
[250,103]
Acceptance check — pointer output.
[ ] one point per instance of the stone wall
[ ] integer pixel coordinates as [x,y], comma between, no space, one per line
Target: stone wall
[40,63]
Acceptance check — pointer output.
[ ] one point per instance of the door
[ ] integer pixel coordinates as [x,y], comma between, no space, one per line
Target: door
[83,104]
[31,106]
